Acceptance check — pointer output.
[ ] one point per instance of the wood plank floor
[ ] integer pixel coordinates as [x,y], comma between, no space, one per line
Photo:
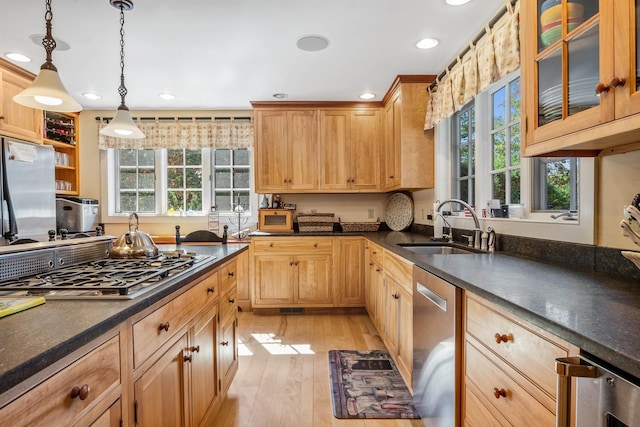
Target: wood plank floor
[283,376]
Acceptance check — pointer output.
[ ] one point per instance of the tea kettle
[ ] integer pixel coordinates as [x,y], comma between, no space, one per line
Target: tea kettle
[134,243]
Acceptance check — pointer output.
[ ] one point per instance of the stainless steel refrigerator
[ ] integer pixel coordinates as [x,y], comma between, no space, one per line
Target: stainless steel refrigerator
[27,187]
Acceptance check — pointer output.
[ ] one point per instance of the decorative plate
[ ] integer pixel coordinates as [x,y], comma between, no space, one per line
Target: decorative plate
[398,211]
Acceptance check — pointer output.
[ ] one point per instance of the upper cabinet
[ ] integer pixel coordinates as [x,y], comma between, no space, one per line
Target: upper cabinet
[349,150]
[60,130]
[286,150]
[580,76]
[408,155]
[17,120]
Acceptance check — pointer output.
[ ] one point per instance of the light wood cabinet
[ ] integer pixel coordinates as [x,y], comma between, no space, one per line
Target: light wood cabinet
[508,367]
[296,271]
[16,120]
[66,397]
[581,94]
[408,155]
[230,274]
[349,150]
[244,284]
[66,147]
[351,282]
[286,150]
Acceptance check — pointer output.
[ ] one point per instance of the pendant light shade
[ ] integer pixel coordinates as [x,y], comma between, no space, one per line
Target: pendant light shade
[122,125]
[47,91]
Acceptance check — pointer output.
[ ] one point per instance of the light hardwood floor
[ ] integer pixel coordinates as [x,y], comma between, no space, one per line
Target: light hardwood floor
[283,377]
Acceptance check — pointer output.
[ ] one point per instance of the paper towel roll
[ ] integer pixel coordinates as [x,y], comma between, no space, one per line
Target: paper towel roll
[438,223]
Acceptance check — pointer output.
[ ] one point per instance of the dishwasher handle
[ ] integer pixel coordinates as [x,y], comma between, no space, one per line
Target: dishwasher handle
[436,299]
[567,367]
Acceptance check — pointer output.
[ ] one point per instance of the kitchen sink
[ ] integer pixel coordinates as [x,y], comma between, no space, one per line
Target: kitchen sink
[431,249]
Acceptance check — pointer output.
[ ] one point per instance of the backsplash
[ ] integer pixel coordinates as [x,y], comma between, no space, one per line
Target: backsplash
[589,257]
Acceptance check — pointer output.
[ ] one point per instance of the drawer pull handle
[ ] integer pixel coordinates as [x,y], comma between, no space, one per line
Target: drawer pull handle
[617,82]
[502,338]
[211,290]
[164,326]
[81,392]
[270,245]
[499,392]
[601,87]
[225,343]
[231,301]
[195,349]
[188,358]
[231,274]
[315,245]
[396,296]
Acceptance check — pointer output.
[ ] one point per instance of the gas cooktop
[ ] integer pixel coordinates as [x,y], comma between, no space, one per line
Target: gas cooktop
[105,278]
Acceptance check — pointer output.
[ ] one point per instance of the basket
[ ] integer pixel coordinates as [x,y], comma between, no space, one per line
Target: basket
[352,227]
[315,222]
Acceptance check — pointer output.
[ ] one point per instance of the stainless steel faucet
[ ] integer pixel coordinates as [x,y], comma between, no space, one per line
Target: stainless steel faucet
[477,230]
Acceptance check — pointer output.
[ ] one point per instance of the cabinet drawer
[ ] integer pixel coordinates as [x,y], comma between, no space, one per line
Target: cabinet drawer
[228,304]
[531,353]
[517,406]
[294,245]
[155,329]
[50,403]
[400,270]
[228,276]
[375,252]
[478,415]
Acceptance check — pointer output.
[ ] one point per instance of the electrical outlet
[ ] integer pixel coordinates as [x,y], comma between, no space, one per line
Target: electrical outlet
[371,213]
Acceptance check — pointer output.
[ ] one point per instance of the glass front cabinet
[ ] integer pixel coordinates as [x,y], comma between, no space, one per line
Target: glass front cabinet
[580,72]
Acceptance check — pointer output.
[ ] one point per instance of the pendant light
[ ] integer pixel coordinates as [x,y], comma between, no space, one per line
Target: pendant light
[47,91]
[122,125]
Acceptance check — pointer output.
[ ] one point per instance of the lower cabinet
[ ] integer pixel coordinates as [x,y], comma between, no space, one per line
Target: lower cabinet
[509,372]
[350,284]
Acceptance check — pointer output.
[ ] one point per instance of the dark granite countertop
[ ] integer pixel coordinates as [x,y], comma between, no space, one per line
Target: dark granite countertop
[34,339]
[593,311]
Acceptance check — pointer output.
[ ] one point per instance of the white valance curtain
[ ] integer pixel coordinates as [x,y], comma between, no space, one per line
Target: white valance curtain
[494,55]
[180,133]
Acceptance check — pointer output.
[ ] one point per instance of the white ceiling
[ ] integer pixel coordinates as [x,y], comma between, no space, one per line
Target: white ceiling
[215,54]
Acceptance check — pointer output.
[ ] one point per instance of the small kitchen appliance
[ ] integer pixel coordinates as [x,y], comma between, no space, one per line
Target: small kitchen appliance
[77,214]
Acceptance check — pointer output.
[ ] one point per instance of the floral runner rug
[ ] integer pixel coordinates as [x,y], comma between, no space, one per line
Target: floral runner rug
[367,384]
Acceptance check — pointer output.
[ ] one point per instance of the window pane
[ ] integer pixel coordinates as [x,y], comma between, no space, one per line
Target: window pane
[193,157]
[222,178]
[222,157]
[464,190]
[558,184]
[464,160]
[194,177]
[128,201]
[241,157]
[175,178]
[498,148]
[241,178]
[175,157]
[175,200]
[223,200]
[147,202]
[194,201]
[147,178]
[515,186]
[499,187]
[463,127]
[515,145]
[515,99]
[128,178]
[244,199]
[146,157]
[499,108]
[127,157]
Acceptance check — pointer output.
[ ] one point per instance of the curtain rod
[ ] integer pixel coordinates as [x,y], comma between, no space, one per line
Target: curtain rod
[475,40]
[98,118]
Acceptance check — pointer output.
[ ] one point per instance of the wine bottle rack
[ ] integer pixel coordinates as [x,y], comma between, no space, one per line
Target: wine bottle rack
[59,127]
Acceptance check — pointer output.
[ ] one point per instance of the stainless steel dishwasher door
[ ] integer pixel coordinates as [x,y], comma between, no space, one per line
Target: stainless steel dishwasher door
[436,349]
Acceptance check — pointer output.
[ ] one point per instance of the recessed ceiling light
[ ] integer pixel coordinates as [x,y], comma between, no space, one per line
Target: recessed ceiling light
[457,2]
[91,95]
[427,43]
[167,96]
[280,95]
[18,57]
[312,43]
[367,95]
[61,45]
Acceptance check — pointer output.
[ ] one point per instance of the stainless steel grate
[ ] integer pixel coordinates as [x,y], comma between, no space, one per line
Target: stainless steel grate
[71,255]
[26,264]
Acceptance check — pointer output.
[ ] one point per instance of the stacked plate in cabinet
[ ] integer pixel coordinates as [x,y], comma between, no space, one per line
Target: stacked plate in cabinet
[551,20]
[581,97]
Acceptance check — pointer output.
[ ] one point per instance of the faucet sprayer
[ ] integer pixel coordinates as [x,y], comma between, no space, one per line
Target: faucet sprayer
[477,230]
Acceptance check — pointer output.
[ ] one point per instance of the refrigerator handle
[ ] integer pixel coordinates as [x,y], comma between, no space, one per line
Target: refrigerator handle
[567,367]
[11,233]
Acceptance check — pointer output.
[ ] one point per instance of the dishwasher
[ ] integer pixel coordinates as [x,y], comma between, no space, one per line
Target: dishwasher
[436,349]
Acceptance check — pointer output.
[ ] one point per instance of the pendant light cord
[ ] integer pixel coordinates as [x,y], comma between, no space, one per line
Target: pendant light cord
[48,42]
[122,90]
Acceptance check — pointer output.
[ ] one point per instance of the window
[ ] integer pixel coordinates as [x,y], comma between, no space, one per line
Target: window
[556,183]
[177,181]
[505,143]
[464,138]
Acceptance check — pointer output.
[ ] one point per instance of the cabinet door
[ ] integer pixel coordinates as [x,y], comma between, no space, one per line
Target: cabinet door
[380,287]
[161,397]
[228,351]
[273,280]
[242,262]
[391,319]
[370,292]
[203,348]
[365,148]
[303,163]
[17,120]
[314,279]
[405,334]
[392,141]
[271,151]
[112,417]
[335,158]
[352,272]
[627,57]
